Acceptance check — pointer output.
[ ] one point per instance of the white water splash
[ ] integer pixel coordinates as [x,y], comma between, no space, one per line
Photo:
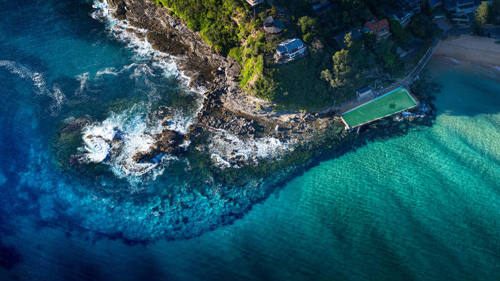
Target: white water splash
[38,82]
[125,32]
[117,139]
[230,151]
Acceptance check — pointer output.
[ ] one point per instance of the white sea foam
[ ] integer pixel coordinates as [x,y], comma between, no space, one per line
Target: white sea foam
[117,139]
[123,31]
[454,60]
[496,67]
[113,71]
[38,82]
[107,71]
[180,122]
[82,78]
[229,150]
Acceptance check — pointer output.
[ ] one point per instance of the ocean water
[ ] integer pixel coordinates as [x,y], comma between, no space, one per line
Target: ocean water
[425,206]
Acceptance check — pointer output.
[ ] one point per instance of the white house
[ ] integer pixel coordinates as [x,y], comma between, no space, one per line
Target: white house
[254,2]
[291,49]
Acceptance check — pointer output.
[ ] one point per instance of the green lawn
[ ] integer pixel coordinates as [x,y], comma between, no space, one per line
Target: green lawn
[394,101]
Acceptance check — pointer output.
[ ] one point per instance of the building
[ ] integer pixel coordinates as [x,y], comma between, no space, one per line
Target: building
[434,3]
[320,6]
[460,7]
[290,49]
[415,5]
[380,28]
[254,2]
[403,16]
[400,13]
[462,11]
[401,52]
[273,26]
[364,93]
[355,35]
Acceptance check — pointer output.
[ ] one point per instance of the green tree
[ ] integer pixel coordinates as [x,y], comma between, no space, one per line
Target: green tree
[387,55]
[307,26]
[348,40]
[417,26]
[399,33]
[482,13]
[342,70]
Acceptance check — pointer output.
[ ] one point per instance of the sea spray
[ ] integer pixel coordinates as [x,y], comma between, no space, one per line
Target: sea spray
[97,147]
[116,140]
[83,79]
[228,150]
[123,31]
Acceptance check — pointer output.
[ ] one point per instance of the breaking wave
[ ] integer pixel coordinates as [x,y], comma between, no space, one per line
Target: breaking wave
[227,150]
[123,31]
[116,140]
[125,133]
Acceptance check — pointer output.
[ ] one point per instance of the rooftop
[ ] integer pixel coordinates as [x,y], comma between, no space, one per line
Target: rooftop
[290,45]
[273,26]
[375,25]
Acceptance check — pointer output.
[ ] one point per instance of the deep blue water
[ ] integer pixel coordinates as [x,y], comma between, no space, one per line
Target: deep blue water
[425,206]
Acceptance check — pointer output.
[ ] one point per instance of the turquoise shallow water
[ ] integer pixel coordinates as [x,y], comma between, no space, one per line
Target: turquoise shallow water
[424,206]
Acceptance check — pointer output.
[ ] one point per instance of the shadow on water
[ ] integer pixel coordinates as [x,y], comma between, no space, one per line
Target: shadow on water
[9,256]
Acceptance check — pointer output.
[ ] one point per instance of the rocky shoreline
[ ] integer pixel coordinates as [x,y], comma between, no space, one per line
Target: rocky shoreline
[225,106]
[232,128]
[200,190]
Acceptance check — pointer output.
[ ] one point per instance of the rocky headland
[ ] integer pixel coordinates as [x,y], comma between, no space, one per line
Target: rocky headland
[236,150]
[225,108]
[232,128]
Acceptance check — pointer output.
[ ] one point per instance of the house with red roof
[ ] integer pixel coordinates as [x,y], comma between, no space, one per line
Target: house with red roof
[380,28]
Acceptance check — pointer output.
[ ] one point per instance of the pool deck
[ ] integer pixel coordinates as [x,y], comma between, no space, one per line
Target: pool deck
[377,97]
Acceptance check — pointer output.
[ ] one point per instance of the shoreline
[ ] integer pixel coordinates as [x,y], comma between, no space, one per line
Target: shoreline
[247,181]
[226,108]
[473,49]
[233,120]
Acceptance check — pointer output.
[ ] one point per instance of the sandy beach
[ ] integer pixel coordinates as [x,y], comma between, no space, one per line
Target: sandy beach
[474,49]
